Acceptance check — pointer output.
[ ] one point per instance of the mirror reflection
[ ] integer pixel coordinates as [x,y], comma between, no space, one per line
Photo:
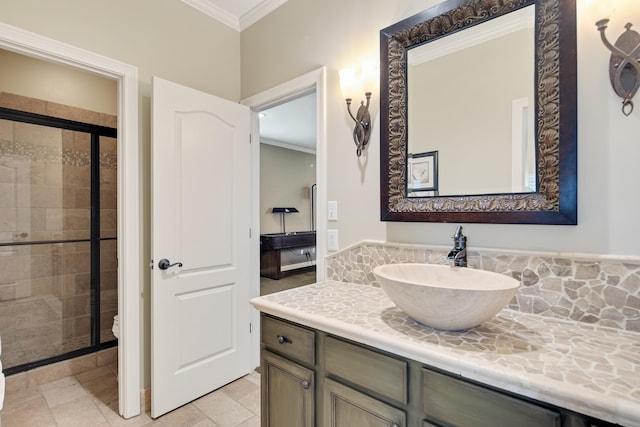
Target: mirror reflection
[554,198]
[470,115]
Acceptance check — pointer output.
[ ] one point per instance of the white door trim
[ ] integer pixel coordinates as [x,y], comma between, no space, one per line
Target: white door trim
[129,255]
[307,82]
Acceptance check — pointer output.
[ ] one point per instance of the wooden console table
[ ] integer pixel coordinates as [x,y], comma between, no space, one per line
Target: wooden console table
[271,245]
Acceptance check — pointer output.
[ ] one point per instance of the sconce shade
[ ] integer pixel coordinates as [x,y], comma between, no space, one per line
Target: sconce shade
[369,76]
[349,84]
[600,9]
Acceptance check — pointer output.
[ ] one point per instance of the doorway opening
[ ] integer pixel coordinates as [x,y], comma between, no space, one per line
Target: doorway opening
[128,243]
[313,81]
[288,200]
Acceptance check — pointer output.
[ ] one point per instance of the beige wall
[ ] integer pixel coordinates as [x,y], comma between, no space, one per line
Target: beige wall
[339,34]
[165,38]
[301,36]
[286,177]
[39,79]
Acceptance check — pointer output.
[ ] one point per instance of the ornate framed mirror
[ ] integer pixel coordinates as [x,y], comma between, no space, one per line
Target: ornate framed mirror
[550,197]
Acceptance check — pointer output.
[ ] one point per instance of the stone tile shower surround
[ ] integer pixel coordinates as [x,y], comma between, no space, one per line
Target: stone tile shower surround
[599,290]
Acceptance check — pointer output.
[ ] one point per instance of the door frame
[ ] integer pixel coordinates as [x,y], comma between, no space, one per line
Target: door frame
[306,83]
[129,232]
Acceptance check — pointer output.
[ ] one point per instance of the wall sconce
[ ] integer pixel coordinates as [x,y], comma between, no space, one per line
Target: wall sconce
[353,84]
[624,65]
[282,212]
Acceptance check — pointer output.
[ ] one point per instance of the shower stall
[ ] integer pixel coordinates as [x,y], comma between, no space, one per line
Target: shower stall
[58,235]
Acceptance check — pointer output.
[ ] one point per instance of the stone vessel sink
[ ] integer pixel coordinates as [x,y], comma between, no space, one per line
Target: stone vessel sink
[444,297]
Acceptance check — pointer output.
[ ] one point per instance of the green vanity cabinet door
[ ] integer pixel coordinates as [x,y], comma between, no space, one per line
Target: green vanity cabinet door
[453,402]
[288,396]
[346,407]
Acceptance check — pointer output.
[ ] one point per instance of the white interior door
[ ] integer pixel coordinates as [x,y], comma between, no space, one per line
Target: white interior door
[200,315]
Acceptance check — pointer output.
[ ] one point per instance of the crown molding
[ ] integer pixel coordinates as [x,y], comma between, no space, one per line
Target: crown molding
[208,8]
[260,11]
[237,23]
[287,145]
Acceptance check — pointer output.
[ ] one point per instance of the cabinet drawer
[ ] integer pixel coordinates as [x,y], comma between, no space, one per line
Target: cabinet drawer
[451,401]
[376,372]
[288,339]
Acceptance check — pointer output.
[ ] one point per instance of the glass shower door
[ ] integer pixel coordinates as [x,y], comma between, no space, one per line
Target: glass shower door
[51,249]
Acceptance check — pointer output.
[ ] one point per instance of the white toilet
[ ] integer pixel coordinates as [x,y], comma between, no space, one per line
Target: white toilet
[1,380]
[116,326]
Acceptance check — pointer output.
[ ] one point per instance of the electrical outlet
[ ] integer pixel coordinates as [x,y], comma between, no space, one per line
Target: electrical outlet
[332,210]
[332,240]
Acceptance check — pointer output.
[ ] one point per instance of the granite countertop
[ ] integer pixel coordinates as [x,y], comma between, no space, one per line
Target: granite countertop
[591,370]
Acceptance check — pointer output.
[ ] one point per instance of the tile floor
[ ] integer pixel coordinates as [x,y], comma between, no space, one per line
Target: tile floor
[90,399]
[83,392]
[289,279]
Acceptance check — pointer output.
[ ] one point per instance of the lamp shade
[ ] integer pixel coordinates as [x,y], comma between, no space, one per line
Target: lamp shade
[284,210]
[369,76]
[350,84]
[600,9]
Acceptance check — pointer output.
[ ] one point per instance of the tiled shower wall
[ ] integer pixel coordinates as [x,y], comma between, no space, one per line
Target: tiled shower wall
[592,289]
[45,195]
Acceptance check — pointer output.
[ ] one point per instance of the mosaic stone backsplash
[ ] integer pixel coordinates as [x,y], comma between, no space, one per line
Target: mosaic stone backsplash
[600,291]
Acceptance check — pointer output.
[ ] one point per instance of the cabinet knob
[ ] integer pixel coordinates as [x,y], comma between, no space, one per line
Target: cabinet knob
[282,339]
[305,385]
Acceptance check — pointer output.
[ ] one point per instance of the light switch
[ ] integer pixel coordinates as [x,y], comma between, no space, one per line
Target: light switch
[332,240]
[332,214]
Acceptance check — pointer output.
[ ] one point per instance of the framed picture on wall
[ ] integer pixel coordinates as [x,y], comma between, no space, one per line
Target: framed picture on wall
[422,174]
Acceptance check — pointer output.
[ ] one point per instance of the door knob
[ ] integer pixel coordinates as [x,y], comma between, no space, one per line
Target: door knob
[165,263]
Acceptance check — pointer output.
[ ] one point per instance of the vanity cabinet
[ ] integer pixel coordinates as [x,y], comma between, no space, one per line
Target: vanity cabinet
[287,375]
[311,378]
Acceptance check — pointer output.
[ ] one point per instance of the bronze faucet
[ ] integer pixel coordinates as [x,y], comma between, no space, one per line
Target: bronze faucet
[459,252]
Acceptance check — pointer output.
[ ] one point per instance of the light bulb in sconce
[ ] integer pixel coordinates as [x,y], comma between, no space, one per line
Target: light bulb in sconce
[352,85]
[624,63]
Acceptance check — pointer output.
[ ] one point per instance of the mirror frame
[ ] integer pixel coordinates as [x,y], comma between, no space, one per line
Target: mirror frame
[555,201]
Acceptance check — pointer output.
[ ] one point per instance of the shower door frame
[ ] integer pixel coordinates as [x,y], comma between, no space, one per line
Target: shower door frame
[94,241]
[130,276]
